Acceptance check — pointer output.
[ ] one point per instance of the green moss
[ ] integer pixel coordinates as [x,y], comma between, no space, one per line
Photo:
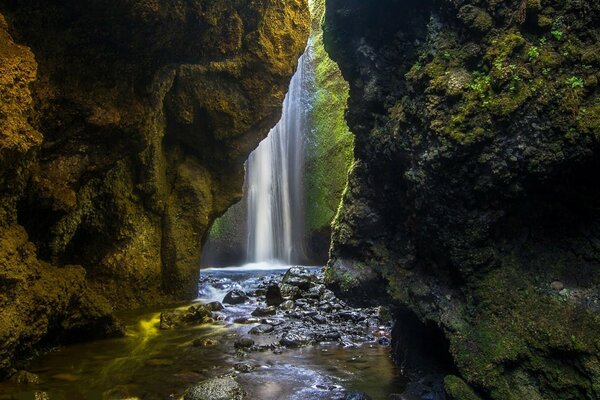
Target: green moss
[330,144]
[516,322]
[457,389]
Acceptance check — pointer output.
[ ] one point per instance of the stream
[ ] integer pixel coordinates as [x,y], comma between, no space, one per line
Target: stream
[337,350]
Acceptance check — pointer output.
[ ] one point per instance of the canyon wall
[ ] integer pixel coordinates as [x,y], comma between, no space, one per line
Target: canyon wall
[124,126]
[474,197]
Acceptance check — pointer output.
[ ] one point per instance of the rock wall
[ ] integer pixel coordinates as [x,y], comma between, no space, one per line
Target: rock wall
[474,195]
[124,126]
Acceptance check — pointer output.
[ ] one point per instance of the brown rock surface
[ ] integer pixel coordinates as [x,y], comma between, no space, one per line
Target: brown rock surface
[124,126]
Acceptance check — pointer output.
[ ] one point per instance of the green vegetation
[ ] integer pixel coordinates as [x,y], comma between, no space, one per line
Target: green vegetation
[558,35]
[533,53]
[575,82]
[330,144]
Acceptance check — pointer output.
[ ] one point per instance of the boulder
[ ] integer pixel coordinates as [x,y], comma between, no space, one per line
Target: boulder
[261,329]
[274,296]
[299,277]
[224,388]
[235,297]
[264,312]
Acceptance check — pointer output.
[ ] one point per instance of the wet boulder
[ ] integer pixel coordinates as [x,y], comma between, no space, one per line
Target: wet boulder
[261,329]
[299,277]
[244,367]
[294,340]
[264,311]
[224,388]
[197,314]
[287,305]
[235,297]
[24,377]
[274,296]
[315,292]
[289,291]
[215,306]
[243,343]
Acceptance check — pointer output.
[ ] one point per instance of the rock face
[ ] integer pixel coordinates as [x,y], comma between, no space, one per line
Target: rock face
[477,127]
[124,126]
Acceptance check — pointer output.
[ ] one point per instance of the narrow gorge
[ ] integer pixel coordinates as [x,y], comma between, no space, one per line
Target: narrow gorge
[300,199]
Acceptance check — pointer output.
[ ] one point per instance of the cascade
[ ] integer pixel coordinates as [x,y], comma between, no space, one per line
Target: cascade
[274,183]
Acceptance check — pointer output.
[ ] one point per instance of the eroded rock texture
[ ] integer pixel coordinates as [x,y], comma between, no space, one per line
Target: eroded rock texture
[124,126]
[474,196]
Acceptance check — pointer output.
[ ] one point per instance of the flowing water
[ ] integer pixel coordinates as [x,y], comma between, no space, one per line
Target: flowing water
[274,175]
[150,363]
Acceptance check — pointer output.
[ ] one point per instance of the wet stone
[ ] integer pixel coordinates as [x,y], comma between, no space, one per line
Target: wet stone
[24,377]
[299,277]
[243,343]
[264,312]
[289,291]
[235,297]
[246,320]
[215,306]
[294,340]
[261,329]
[225,388]
[287,305]
[204,342]
[244,367]
[274,296]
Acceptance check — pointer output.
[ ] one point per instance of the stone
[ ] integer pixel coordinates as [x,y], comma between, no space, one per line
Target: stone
[215,306]
[264,312]
[557,286]
[299,277]
[204,342]
[273,295]
[287,305]
[294,340]
[24,377]
[235,297]
[243,343]
[244,367]
[196,314]
[289,291]
[224,388]
[261,329]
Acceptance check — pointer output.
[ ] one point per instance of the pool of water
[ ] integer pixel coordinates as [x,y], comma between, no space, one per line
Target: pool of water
[150,363]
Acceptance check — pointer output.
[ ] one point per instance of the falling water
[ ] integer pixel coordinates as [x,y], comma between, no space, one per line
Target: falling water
[274,175]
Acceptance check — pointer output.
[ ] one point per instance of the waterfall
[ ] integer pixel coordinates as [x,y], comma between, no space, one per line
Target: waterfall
[274,184]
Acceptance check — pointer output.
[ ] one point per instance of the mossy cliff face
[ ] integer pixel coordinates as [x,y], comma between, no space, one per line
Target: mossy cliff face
[124,128]
[474,195]
[329,142]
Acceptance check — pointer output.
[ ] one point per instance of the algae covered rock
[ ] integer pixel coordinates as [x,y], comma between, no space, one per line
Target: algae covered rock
[474,186]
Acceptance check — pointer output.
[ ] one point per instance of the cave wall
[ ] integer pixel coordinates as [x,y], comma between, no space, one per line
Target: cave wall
[124,126]
[474,195]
